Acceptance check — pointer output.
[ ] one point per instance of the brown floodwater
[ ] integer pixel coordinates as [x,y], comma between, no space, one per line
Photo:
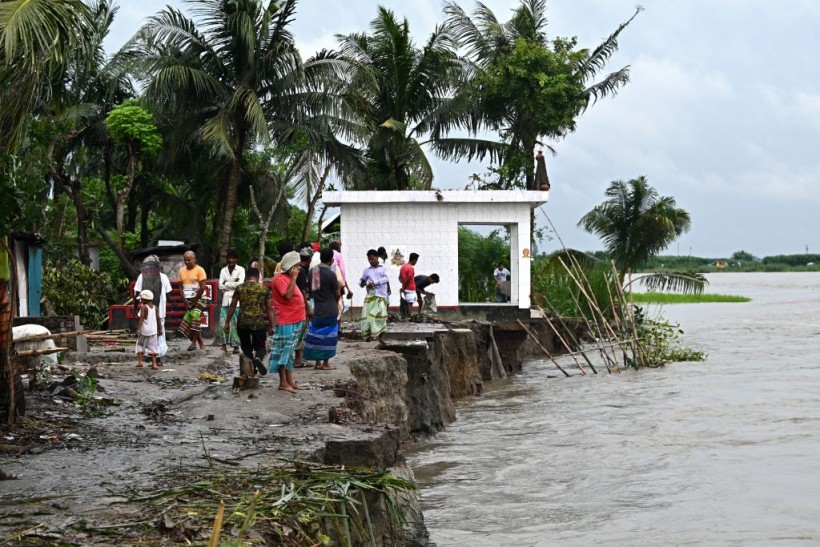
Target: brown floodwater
[726,451]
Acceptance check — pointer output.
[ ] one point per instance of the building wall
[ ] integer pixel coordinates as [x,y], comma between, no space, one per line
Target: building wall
[431,230]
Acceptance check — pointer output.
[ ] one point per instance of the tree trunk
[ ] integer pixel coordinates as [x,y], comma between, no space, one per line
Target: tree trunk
[230,204]
[122,195]
[82,221]
[7,391]
[129,268]
[312,201]
[145,209]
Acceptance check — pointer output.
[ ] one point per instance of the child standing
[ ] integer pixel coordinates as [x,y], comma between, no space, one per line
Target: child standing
[148,328]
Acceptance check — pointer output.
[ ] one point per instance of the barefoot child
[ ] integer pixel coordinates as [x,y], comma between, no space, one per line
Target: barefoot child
[148,328]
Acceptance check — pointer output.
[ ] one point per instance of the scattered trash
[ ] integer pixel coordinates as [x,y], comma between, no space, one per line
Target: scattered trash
[209,377]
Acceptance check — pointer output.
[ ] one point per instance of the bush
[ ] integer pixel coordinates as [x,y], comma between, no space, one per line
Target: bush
[556,290]
[75,289]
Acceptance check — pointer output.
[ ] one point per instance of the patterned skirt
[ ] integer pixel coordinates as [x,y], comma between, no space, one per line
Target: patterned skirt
[232,338]
[374,315]
[283,346]
[322,338]
[192,320]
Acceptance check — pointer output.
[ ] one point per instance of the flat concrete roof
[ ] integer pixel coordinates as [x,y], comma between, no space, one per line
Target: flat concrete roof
[337,198]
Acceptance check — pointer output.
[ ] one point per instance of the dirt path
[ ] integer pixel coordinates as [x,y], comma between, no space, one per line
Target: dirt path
[77,471]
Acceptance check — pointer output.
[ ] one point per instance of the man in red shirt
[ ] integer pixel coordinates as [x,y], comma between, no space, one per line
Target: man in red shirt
[289,305]
[407,296]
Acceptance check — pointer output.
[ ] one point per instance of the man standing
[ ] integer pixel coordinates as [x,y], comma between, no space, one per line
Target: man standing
[231,277]
[501,275]
[374,310]
[422,282]
[253,299]
[152,278]
[407,296]
[192,280]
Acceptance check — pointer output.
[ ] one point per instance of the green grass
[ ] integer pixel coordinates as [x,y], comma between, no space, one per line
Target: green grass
[676,298]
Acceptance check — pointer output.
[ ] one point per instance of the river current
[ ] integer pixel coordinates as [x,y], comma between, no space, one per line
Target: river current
[725,451]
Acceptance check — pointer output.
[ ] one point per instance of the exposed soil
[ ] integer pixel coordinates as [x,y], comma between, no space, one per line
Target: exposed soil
[78,472]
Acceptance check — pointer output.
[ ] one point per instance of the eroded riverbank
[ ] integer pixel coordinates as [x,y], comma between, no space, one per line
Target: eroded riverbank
[77,474]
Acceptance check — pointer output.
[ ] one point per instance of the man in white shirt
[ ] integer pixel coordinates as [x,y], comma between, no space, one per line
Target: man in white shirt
[230,278]
[151,278]
[501,275]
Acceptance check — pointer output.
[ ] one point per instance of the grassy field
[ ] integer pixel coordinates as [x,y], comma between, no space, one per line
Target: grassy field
[674,298]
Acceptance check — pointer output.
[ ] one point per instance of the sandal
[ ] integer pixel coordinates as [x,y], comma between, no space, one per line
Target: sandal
[192,347]
[300,364]
[329,367]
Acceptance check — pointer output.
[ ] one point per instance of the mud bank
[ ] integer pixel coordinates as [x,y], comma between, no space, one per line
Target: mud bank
[77,473]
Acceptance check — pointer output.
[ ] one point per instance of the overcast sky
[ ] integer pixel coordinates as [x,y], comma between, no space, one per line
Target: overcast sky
[722,111]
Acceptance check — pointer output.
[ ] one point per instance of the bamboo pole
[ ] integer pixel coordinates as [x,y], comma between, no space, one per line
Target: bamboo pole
[569,333]
[596,309]
[41,337]
[527,330]
[35,352]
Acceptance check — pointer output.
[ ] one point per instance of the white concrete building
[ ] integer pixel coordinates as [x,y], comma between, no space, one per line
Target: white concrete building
[426,222]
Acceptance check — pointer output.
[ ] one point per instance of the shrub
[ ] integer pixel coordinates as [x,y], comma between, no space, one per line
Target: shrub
[75,289]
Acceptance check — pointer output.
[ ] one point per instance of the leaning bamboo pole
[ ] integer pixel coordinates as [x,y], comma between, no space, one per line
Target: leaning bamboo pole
[547,353]
[595,307]
[568,331]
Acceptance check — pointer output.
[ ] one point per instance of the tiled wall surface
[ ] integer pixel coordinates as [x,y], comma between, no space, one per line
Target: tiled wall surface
[430,229]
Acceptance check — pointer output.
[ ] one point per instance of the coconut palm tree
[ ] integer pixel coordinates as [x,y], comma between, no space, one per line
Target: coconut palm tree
[398,95]
[635,224]
[230,75]
[528,87]
[35,38]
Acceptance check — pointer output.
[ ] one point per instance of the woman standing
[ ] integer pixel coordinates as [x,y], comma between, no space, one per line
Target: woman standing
[289,307]
[323,334]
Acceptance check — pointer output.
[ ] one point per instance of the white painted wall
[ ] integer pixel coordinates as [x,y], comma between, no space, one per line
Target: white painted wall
[417,221]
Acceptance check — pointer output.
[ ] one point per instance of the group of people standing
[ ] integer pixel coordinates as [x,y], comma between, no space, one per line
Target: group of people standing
[295,320]
[375,280]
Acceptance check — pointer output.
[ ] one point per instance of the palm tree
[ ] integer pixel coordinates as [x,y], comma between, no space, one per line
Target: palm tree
[635,224]
[230,76]
[35,38]
[527,86]
[398,94]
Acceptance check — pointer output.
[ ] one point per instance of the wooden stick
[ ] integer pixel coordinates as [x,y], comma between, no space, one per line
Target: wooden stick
[41,337]
[35,352]
[568,330]
[523,326]
[217,531]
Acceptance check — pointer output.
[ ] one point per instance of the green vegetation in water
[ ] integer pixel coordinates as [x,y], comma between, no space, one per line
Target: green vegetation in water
[677,298]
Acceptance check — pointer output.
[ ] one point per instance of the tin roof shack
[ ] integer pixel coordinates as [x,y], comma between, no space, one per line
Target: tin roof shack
[427,222]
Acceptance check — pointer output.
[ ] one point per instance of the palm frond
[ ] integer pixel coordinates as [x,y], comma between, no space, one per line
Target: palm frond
[597,60]
[681,282]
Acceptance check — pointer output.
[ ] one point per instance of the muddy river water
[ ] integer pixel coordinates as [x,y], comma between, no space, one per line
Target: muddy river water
[726,451]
